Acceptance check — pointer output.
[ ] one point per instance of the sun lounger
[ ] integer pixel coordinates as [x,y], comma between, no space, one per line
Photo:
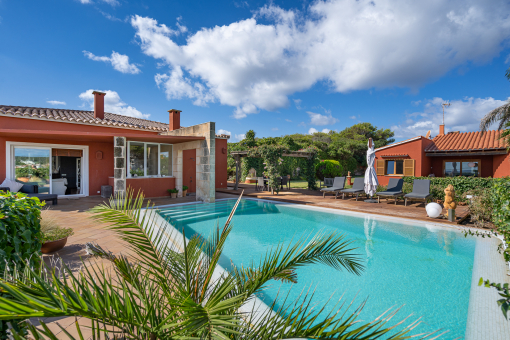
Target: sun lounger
[358,187]
[338,184]
[394,189]
[421,191]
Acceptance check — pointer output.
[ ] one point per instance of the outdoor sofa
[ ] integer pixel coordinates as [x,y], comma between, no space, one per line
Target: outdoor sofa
[421,191]
[358,187]
[338,184]
[32,190]
[394,190]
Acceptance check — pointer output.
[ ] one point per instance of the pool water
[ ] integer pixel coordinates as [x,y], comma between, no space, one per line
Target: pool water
[424,269]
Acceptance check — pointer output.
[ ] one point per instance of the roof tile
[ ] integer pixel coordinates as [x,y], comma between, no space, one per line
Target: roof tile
[466,141]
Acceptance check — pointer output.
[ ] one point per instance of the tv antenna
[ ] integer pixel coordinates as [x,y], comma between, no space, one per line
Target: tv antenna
[445,104]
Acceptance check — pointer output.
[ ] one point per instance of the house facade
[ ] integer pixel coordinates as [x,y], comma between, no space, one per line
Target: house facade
[473,154]
[72,152]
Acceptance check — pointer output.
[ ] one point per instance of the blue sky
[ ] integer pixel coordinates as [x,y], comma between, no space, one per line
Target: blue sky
[276,67]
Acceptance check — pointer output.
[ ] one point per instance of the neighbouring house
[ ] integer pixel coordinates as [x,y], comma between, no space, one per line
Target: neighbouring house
[73,152]
[472,154]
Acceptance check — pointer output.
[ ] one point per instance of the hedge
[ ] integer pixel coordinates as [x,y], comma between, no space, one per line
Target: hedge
[20,237]
[461,184]
[500,199]
[328,169]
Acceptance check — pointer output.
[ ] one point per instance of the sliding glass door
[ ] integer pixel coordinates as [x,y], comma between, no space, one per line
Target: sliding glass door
[33,166]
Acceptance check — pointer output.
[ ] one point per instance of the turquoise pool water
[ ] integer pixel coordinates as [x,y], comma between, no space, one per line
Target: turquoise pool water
[425,269]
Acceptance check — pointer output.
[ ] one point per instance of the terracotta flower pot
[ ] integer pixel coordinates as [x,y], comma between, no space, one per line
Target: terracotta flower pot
[50,247]
[184,193]
[173,194]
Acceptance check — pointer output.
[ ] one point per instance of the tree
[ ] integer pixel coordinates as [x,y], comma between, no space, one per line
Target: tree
[501,115]
[170,292]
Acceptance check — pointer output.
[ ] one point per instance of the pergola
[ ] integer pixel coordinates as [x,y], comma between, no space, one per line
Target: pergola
[240,154]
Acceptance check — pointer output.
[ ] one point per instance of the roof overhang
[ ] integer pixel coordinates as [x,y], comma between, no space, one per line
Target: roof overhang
[394,156]
[95,136]
[398,143]
[442,153]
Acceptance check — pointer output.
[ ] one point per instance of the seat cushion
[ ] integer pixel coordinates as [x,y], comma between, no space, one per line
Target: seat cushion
[415,195]
[353,190]
[331,189]
[12,185]
[390,193]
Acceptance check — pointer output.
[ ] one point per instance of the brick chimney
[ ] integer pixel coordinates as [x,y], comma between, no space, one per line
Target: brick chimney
[441,130]
[175,119]
[98,104]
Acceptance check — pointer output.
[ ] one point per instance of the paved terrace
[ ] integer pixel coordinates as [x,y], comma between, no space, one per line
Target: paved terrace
[73,213]
[413,210]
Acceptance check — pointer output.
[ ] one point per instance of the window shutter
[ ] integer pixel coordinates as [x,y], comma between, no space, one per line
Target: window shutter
[380,167]
[408,167]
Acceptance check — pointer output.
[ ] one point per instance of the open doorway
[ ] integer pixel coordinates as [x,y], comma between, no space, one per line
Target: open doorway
[66,171]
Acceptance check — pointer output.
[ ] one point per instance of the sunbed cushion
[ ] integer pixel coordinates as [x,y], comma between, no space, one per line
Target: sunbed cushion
[390,193]
[416,195]
[331,189]
[352,190]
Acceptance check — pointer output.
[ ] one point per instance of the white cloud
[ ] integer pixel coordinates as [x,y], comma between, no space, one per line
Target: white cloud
[223,132]
[288,120]
[303,124]
[274,129]
[352,117]
[318,119]
[313,130]
[109,2]
[56,102]
[258,62]
[120,62]
[177,87]
[240,137]
[112,104]
[297,102]
[462,115]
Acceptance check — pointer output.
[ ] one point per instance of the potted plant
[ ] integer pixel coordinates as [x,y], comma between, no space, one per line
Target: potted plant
[173,192]
[184,191]
[54,237]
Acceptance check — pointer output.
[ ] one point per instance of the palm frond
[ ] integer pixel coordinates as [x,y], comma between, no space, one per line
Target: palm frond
[501,114]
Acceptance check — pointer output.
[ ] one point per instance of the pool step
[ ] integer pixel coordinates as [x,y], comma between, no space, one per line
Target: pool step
[197,216]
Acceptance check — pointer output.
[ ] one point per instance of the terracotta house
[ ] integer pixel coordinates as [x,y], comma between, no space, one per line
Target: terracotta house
[72,152]
[452,154]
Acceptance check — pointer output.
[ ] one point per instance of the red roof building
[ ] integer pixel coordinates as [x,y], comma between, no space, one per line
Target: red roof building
[473,154]
[75,152]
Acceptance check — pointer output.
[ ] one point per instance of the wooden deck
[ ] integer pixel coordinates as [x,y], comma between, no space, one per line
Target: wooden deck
[387,207]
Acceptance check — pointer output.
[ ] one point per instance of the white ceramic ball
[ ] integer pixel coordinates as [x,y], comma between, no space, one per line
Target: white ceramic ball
[433,210]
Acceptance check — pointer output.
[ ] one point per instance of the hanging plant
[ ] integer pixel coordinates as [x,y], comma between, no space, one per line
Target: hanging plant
[272,156]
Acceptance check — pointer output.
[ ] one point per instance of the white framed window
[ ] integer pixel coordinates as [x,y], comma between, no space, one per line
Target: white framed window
[146,159]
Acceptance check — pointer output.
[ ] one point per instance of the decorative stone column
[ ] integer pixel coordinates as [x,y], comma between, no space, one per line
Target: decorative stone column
[119,172]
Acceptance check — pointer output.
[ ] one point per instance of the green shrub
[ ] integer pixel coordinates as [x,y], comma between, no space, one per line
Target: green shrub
[349,164]
[462,185]
[480,206]
[328,169]
[500,200]
[20,238]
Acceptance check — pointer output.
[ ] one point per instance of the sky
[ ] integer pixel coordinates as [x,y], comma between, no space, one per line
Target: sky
[277,67]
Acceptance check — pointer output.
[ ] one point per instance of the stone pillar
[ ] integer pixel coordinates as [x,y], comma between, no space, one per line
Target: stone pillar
[119,164]
[206,156]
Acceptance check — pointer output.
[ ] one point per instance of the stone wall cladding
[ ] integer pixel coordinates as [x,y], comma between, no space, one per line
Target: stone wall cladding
[119,150]
[206,189]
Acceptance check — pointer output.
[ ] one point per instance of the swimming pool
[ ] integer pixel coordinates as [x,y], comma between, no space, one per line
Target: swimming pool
[424,268]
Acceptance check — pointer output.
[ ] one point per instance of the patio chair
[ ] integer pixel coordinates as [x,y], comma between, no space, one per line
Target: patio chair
[33,191]
[328,182]
[358,187]
[288,182]
[421,191]
[284,181]
[338,184]
[394,190]
[261,186]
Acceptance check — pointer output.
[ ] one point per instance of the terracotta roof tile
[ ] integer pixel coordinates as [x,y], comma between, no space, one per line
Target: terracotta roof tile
[78,116]
[466,141]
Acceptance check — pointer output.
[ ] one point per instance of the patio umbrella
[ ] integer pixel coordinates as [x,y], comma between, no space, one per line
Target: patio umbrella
[371,181]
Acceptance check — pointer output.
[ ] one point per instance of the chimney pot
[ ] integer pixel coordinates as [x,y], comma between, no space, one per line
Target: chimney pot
[98,104]
[175,119]
[441,130]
